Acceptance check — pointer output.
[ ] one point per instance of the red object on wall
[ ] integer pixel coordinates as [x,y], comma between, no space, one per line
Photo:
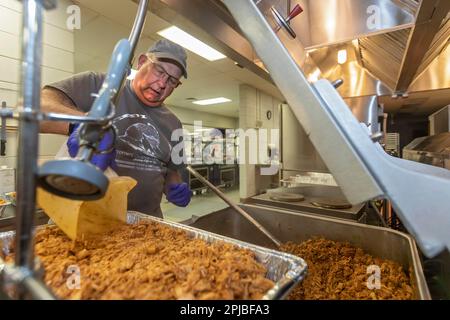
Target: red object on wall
[294,12]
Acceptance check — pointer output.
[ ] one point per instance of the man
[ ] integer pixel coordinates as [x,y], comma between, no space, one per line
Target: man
[143,125]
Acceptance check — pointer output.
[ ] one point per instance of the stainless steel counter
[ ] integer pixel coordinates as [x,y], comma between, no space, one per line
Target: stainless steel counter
[292,226]
[8,219]
[311,193]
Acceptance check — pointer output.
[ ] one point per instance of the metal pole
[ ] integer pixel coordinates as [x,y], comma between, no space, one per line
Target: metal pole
[37,289]
[234,206]
[133,38]
[28,132]
[3,132]
[137,27]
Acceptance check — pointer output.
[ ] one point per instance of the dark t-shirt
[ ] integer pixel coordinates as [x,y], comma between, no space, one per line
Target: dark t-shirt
[143,142]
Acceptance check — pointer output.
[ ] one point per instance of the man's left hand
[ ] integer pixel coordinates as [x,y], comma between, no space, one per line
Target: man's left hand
[179,194]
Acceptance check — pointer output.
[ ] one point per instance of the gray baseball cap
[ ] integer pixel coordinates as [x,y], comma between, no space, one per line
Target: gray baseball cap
[166,49]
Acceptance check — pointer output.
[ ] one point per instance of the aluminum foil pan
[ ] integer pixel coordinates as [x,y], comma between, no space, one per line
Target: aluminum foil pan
[286,270]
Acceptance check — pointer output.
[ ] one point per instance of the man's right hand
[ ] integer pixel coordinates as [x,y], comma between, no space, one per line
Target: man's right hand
[102,161]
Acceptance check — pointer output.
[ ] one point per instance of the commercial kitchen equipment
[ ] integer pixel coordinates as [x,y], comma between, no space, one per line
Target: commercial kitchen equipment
[440,121]
[74,178]
[347,148]
[432,150]
[195,184]
[295,226]
[395,57]
[314,199]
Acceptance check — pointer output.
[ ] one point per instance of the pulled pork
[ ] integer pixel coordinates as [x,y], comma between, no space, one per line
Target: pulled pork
[338,270]
[148,261]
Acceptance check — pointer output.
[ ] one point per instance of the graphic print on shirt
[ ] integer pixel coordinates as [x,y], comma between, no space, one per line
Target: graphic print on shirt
[142,137]
[139,145]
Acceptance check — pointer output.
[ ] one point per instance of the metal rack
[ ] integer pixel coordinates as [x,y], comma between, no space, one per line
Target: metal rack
[195,184]
[228,176]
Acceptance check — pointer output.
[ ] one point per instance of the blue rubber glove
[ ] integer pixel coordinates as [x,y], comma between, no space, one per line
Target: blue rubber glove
[179,194]
[102,161]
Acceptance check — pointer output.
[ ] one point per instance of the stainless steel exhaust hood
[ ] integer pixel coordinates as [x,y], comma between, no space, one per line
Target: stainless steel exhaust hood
[328,22]
[347,148]
[392,45]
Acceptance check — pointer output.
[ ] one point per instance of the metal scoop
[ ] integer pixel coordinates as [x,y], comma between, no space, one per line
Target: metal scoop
[80,219]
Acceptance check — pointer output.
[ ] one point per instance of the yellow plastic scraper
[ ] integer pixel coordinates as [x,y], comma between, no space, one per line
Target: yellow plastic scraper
[79,219]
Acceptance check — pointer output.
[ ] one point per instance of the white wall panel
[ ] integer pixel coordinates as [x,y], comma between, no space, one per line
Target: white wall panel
[10,21]
[59,59]
[9,86]
[9,70]
[50,75]
[12,4]
[9,96]
[9,45]
[57,37]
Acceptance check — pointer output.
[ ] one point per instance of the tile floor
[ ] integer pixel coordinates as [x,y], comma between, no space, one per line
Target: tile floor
[200,205]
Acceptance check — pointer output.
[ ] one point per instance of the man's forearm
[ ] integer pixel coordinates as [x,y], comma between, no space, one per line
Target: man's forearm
[53,100]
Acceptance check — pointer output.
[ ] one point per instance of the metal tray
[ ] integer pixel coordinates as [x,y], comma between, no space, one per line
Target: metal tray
[294,226]
[285,270]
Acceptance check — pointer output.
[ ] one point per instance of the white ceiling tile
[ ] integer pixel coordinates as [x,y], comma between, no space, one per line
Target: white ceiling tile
[58,17]
[223,65]
[153,24]
[87,15]
[201,71]
[98,64]
[121,11]
[99,37]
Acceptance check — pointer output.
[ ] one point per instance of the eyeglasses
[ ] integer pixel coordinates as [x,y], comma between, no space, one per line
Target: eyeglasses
[158,71]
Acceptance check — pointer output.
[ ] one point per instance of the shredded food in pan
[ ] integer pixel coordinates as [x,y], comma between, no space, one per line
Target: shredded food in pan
[148,261]
[153,261]
[338,270]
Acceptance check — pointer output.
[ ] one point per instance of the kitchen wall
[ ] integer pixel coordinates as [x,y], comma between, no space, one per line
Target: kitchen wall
[57,64]
[298,153]
[253,108]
